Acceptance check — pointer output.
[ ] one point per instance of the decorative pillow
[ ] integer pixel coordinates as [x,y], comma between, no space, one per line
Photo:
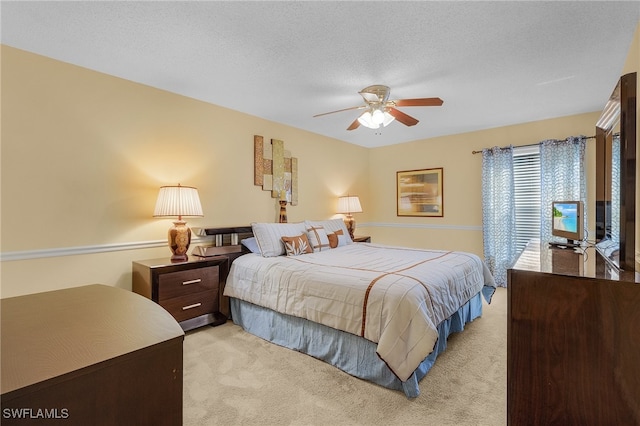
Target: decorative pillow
[331,225]
[295,246]
[334,239]
[251,244]
[268,236]
[318,238]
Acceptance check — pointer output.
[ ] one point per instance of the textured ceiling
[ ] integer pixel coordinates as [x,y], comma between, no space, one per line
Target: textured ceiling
[493,63]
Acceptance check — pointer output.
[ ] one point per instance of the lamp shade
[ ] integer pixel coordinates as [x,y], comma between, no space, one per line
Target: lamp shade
[178,201]
[374,118]
[377,116]
[388,118]
[349,204]
[366,119]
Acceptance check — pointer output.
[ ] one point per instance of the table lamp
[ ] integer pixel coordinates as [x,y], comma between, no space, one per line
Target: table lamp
[178,201]
[348,205]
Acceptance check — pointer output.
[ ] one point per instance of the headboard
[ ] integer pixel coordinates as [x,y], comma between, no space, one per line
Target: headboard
[231,251]
[227,240]
[229,230]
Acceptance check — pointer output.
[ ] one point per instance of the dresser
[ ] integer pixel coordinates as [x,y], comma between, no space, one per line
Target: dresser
[573,340]
[90,355]
[189,291]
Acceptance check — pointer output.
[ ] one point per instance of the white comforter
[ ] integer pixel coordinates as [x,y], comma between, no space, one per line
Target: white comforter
[393,296]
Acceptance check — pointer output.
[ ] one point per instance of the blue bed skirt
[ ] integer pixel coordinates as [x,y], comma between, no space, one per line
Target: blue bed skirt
[350,353]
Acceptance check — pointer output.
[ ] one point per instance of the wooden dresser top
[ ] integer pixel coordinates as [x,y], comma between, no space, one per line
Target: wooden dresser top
[46,335]
[580,262]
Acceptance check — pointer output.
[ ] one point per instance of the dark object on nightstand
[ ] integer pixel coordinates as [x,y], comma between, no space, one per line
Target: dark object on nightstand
[190,290]
[362,239]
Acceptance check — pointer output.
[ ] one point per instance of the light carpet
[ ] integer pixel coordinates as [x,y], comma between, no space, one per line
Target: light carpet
[234,378]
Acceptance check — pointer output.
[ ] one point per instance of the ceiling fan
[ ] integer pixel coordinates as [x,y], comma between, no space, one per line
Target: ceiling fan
[380,111]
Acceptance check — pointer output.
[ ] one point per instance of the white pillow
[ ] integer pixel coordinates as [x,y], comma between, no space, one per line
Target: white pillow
[269,236]
[318,238]
[331,225]
[251,244]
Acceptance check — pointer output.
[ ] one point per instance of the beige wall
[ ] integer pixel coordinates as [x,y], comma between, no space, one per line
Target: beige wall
[461,226]
[83,155]
[632,64]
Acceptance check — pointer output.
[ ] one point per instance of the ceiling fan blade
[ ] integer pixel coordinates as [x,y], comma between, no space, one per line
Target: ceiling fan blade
[405,119]
[354,125]
[418,102]
[340,110]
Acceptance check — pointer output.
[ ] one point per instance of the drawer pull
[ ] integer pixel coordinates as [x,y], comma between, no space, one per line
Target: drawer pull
[192,281]
[195,305]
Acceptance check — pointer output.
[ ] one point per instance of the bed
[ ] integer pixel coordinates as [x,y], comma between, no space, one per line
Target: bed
[381,313]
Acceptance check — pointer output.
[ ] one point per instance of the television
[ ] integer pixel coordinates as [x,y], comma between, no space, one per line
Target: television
[567,220]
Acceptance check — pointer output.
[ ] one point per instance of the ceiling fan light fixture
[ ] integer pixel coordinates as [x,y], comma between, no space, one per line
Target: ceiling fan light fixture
[388,118]
[366,119]
[379,111]
[377,117]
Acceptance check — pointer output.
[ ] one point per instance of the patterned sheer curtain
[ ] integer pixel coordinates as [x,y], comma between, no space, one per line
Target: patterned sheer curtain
[498,212]
[562,178]
[615,190]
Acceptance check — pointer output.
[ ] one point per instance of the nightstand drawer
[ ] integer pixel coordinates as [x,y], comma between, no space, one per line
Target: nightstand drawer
[190,281]
[191,305]
[189,290]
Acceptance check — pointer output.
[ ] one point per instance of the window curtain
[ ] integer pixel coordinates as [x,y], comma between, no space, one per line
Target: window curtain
[498,212]
[614,232]
[562,178]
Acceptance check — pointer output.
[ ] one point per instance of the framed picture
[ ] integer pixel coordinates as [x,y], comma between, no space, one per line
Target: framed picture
[419,193]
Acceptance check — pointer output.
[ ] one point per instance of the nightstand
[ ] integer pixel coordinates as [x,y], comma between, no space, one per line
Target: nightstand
[190,291]
[361,239]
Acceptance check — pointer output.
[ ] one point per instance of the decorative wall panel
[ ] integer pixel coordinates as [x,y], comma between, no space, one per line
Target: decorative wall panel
[275,170]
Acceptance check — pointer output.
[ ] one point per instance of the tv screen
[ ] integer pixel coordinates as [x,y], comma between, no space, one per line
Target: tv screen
[567,220]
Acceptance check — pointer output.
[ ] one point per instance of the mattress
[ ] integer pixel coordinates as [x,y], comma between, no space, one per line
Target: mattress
[394,297]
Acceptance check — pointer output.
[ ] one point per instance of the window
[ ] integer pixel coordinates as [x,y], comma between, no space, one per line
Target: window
[526,180]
